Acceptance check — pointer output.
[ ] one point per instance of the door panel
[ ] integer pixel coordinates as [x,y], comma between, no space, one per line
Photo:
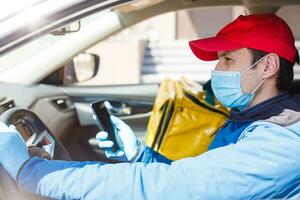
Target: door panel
[137,121]
[67,113]
[139,98]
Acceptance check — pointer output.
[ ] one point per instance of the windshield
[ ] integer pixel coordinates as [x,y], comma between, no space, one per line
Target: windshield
[32,48]
[10,8]
[35,18]
[26,51]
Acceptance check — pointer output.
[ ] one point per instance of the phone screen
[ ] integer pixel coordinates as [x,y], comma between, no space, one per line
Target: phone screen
[104,121]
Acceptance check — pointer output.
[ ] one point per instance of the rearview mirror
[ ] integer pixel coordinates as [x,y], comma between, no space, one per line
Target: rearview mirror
[82,68]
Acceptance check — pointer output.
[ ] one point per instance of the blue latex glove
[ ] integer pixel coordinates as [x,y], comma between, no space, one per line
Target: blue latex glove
[13,151]
[127,141]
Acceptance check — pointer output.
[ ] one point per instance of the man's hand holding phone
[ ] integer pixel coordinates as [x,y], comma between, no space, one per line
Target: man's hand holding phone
[128,144]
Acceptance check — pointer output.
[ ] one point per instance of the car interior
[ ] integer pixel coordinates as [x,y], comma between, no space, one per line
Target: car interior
[49,113]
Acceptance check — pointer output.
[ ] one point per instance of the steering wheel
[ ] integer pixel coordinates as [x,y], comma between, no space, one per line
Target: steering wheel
[39,140]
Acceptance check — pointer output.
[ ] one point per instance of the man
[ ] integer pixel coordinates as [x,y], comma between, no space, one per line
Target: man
[254,156]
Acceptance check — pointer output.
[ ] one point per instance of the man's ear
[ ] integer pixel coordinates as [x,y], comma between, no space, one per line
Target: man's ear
[272,65]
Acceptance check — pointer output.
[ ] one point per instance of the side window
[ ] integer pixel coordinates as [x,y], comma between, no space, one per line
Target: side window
[292,16]
[152,50]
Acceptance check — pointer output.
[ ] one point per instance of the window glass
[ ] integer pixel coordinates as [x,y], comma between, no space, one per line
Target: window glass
[291,15]
[158,48]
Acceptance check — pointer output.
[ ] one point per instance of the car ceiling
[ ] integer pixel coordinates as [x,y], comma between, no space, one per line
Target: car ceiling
[131,14]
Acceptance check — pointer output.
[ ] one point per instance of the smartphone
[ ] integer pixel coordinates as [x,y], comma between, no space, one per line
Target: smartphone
[104,122]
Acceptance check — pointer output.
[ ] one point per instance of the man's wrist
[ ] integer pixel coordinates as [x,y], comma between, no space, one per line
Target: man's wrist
[139,149]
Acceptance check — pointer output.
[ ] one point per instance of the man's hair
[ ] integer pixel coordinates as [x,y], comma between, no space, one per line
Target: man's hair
[286,72]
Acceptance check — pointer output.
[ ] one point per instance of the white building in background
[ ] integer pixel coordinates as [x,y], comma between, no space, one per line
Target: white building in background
[158,47]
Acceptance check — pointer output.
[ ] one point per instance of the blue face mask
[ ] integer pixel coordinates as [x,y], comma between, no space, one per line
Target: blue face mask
[228,89]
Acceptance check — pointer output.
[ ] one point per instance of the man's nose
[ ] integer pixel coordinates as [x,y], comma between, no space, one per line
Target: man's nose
[219,66]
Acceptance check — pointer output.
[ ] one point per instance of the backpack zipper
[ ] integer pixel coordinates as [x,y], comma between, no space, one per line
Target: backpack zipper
[167,122]
[196,101]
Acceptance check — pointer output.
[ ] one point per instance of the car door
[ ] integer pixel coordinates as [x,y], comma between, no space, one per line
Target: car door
[66,111]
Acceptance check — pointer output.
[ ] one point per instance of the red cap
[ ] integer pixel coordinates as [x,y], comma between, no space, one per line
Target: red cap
[265,32]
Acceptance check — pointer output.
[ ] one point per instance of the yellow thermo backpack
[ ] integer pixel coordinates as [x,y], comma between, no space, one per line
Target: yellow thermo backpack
[184,119]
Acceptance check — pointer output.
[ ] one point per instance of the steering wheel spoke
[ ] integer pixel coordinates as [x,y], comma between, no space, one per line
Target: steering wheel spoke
[39,140]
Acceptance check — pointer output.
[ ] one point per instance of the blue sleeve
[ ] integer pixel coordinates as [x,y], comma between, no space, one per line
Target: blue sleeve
[148,155]
[265,163]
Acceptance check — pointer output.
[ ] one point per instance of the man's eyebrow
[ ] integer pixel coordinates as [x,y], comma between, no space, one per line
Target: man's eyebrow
[223,54]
